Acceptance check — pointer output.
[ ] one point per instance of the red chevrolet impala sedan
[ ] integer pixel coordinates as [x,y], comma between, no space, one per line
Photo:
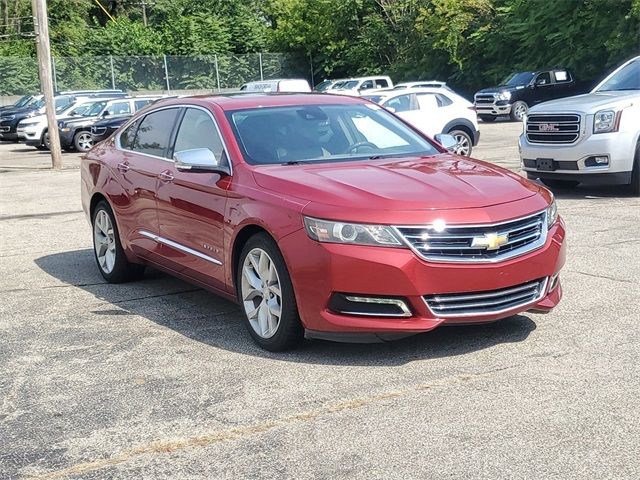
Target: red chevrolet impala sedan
[325,216]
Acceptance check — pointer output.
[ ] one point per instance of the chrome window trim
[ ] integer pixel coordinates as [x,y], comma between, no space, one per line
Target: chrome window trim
[531,247]
[165,107]
[179,246]
[401,304]
[540,296]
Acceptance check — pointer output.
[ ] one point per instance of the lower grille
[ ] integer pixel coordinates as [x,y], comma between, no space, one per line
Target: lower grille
[488,302]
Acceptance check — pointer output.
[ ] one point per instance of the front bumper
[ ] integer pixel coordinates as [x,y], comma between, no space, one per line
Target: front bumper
[501,107]
[319,270]
[574,160]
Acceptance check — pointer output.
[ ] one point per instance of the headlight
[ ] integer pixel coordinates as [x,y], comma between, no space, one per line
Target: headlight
[27,124]
[32,114]
[352,233]
[8,117]
[504,96]
[606,121]
[552,214]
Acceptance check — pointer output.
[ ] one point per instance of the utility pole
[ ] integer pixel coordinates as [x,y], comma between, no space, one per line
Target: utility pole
[41,24]
[143,4]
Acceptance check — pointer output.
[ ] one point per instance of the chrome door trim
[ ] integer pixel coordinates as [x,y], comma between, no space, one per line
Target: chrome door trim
[179,246]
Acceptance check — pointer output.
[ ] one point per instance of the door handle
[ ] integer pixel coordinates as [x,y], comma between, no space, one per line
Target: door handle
[123,167]
[166,176]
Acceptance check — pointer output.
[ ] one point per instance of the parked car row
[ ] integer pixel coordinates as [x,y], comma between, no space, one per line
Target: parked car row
[76,112]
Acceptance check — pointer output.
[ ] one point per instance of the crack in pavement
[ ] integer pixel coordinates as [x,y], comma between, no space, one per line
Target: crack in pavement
[605,277]
[38,215]
[169,446]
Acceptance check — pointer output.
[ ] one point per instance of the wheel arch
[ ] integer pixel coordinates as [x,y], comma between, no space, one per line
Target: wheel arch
[461,124]
[239,241]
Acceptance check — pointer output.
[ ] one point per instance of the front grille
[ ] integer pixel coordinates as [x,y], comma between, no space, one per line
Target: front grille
[484,99]
[477,243]
[553,128]
[486,302]
[98,130]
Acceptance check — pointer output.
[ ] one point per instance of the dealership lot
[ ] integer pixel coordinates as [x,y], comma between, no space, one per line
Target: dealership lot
[159,379]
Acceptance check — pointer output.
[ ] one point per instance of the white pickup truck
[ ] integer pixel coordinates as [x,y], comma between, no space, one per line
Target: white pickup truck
[589,139]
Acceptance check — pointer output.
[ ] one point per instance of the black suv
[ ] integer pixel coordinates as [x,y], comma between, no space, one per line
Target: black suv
[520,91]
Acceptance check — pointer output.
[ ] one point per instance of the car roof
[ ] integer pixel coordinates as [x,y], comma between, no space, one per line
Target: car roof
[392,92]
[240,101]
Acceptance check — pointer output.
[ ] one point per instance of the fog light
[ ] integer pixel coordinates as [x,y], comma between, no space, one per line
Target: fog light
[353,304]
[553,282]
[597,161]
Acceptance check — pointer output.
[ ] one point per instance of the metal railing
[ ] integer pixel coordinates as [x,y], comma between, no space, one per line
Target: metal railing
[217,72]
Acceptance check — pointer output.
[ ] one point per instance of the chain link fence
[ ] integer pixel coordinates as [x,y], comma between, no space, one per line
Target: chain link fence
[167,73]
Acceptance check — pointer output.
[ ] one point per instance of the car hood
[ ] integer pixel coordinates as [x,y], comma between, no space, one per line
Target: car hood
[439,182]
[79,121]
[587,103]
[16,111]
[503,88]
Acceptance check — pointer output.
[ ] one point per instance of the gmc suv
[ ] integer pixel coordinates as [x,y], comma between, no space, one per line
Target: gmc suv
[521,91]
[591,138]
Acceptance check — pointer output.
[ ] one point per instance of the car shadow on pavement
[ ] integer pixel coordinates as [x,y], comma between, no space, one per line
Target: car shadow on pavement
[204,317]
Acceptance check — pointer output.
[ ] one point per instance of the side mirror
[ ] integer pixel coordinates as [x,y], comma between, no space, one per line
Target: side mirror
[199,160]
[447,141]
[105,114]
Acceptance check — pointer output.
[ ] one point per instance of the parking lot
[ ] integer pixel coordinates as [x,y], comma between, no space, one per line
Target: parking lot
[159,379]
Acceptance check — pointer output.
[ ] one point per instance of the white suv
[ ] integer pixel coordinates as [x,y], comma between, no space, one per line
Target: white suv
[590,139]
[434,111]
[360,86]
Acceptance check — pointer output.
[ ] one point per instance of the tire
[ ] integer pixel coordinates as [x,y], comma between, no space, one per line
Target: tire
[112,264]
[262,273]
[41,147]
[82,141]
[555,183]
[45,140]
[635,174]
[465,143]
[487,118]
[518,110]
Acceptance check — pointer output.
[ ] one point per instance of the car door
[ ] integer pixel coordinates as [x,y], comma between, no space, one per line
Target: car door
[422,112]
[191,204]
[563,84]
[143,150]
[543,88]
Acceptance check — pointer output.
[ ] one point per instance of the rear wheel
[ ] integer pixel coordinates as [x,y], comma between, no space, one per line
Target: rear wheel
[266,295]
[635,174]
[487,118]
[465,144]
[110,257]
[518,111]
[83,141]
[555,183]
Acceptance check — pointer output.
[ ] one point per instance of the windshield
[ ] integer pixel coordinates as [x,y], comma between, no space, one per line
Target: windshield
[22,101]
[322,86]
[350,84]
[522,78]
[627,78]
[94,109]
[62,108]
[316,133]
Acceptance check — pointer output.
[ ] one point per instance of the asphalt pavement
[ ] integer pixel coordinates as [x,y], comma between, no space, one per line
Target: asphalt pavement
[158,379]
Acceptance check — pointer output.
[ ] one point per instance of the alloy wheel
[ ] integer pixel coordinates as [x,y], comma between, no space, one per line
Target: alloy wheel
[84,142]
[520,110]
[261,293]
[464,145]
[104,241]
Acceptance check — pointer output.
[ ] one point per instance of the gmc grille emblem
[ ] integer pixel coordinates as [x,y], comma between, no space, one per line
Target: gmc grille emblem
[548,127]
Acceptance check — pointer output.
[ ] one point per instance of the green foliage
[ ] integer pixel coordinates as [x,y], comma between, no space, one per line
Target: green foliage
[468,43]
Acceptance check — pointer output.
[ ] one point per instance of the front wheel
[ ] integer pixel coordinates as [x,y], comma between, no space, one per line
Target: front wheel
[518,110]
[465,144]
[266,295]
[83,141]
[555,183]
[110,257]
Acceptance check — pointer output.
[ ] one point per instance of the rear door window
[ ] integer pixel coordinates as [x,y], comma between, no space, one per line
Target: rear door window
[119,108]
[138,104]
[561,76]
[382,83]
[154,133]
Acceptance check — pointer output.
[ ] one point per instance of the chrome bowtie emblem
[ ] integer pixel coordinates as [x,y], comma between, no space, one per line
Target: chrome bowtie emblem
[490,241]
